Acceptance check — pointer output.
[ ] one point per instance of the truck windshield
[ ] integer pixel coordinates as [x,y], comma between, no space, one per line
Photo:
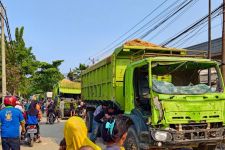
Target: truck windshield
[186,77]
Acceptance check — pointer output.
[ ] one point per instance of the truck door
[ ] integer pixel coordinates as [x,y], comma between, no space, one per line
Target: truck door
[141,88]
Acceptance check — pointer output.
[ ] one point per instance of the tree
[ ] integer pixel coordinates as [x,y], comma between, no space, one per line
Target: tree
[75,74]
[20,63]
[47,76]
[25,74]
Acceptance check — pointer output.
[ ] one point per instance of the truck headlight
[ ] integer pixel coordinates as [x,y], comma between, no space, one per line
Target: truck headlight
[161,136]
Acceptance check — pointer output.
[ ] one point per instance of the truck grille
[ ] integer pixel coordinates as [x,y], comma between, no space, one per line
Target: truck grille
[198,135]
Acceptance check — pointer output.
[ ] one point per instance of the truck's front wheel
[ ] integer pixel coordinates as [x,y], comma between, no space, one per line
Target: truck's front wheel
[132,142]
[89,120]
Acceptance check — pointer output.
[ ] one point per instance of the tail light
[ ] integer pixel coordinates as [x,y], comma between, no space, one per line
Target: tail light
[31,127]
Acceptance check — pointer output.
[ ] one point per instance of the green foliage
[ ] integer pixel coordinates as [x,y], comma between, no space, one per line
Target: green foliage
[26,75]
[20,63]
[75,74]
[47,76]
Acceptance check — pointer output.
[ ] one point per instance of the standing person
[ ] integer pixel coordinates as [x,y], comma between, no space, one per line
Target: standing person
[26,105]
[81,110]
[49,108]
[76,134]
[105,113]
[61,107]
[33,117]
[38,107]
[57,113]
[11,119]
[114,132]
[95,124]
[72,108]
[42,104]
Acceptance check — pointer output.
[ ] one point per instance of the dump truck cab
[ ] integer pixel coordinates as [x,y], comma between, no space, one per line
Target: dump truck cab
[177,104]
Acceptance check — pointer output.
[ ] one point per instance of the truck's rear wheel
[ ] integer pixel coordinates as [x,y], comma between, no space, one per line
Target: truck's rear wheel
[132,142]
[89,120]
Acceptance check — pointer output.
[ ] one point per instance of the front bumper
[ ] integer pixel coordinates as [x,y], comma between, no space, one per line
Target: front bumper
[184,137]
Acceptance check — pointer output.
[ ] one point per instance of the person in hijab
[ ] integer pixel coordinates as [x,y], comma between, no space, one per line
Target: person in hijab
[32,117]
[76,134]
[114,132]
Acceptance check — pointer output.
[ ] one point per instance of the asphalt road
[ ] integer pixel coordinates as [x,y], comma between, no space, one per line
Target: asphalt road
[54,134]
[54,131]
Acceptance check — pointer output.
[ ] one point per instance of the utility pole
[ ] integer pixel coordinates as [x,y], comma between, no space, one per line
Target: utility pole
[209,42]
[3,54]
[223,43]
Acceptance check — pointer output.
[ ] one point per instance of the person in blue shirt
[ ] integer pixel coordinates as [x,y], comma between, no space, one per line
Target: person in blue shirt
[32,118]
[10,120]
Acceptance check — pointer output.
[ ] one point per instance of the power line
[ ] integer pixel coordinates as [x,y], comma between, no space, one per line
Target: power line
[142,20]
[164,13]
[191,27]
[165,20]
[172,21]
[188,35]
[7,24]
[195,34]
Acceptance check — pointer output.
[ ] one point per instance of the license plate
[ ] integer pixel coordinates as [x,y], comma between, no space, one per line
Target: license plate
[32,131]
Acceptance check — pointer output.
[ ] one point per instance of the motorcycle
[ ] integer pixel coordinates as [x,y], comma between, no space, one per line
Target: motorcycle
[51,118]
[30,135]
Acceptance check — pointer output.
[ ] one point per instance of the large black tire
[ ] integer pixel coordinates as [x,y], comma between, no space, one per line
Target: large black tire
[89,120]
[132,142]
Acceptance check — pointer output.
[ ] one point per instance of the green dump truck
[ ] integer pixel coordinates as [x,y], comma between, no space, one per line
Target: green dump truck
[67,92]
[164,91]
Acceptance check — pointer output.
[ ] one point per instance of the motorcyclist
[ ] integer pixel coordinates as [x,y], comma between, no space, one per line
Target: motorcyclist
[10,119]
[50,109]
[32,117]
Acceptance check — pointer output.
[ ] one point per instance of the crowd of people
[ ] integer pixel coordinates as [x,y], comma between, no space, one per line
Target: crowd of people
[112,129]
[16,115]
[13,114]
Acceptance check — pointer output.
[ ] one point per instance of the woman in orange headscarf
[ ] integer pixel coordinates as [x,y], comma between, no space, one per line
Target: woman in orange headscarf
[76,134]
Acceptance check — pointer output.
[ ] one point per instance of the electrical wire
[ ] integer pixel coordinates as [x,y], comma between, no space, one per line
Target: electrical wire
[193,32]
[198,35]
[172,21]
[191,27]
[165,20]
[117,39]
[174,11]
[6,20]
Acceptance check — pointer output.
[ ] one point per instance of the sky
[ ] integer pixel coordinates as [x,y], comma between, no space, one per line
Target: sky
[75,30]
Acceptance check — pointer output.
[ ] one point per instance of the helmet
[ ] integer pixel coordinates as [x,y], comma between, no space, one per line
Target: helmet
[17,102]
[10,100]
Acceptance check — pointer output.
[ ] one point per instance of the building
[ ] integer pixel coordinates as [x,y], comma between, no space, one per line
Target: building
[216,48]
